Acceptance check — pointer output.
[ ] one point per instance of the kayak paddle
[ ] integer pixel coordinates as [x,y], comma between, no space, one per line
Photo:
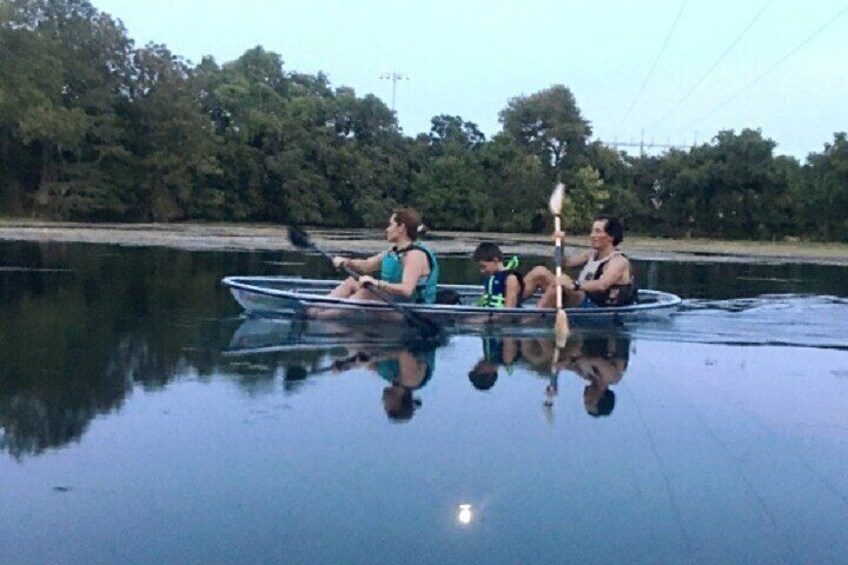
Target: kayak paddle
[561,325]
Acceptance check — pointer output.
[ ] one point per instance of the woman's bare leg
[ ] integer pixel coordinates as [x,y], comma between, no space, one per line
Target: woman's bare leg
[364,294]
[346,288]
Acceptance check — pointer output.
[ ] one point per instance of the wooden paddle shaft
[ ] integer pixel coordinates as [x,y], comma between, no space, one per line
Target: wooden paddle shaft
[558,259]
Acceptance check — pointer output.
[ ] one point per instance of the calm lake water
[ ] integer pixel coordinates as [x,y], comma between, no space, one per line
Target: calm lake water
[143,419]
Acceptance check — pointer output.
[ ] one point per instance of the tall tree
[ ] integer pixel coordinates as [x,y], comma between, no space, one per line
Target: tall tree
[549,125]
[450,134]
[70,124]
[451,193]
[515,186]
[827,178]
[172,140]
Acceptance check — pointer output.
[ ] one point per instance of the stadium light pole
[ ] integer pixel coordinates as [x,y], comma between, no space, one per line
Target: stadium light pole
[393,76]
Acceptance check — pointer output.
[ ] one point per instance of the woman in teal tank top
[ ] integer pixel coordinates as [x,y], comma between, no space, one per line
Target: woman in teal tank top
[409,271]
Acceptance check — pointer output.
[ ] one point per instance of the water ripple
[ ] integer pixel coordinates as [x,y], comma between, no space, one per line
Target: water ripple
[774,319]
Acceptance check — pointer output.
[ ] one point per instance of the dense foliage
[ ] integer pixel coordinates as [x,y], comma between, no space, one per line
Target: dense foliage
[94,128]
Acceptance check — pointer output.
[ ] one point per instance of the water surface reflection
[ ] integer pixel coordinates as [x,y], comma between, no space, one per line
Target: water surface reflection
[142,419]
[599,359]
[306,349]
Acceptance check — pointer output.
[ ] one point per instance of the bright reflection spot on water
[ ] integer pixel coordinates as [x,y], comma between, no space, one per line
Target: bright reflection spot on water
[465,514]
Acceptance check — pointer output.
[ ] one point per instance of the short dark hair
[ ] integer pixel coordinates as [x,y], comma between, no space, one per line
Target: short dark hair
[488,251]
[403,411]
[613,226]
[605,404]
[484,375]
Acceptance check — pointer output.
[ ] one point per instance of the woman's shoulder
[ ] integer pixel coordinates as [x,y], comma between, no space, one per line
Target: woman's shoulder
[421,253]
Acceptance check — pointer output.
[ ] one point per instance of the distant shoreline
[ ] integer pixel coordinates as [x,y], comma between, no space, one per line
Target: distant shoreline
[257,237]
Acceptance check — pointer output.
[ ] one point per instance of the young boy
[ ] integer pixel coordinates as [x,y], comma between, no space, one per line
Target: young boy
[503,286]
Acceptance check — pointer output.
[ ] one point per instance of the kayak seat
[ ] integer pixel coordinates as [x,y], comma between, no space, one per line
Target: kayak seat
[447,296]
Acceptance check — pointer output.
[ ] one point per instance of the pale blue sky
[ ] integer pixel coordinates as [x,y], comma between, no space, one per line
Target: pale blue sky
[468,57]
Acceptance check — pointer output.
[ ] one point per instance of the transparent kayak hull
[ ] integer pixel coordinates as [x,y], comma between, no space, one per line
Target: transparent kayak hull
[273,296]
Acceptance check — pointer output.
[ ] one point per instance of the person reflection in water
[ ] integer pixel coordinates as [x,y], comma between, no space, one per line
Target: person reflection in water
[484,375]
[602,362]
[504,351]
[406,371]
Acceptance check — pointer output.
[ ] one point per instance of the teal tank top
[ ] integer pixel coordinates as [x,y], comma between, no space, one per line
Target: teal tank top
[392,272]
[389,369]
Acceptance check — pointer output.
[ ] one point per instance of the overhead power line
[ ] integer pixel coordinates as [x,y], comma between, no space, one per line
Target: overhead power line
[654,65]
[714,65]
[759,77]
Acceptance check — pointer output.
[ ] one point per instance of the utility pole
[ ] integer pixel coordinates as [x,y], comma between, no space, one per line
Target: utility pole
[394,76]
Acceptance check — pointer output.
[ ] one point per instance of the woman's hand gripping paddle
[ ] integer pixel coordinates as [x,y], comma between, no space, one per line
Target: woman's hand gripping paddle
[428,328]
[561,329]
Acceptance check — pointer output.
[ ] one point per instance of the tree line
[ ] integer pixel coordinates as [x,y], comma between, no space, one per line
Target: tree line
[93,128]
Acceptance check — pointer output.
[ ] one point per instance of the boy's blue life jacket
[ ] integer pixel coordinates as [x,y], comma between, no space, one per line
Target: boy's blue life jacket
[495,286]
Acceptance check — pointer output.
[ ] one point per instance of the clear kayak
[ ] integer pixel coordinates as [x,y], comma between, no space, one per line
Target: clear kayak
[273,296]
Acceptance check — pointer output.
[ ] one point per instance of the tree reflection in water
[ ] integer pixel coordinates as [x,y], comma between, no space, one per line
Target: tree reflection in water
[82,325]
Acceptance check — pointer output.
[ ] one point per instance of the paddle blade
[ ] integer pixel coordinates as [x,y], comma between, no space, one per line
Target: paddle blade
[298,237]
[557,196]
[561,329]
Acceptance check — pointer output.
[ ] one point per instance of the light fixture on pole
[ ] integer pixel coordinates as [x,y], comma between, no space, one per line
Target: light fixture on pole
[393,76]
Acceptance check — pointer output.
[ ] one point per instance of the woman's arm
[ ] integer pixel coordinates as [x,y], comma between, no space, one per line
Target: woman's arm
[364,266]
[415,266]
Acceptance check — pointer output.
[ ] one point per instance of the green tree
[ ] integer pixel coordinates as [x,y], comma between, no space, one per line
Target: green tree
[827,181]
[173,142]
[585,196]
[515,186]
[725,188]
[451,193]
[640,203]
[452,135]
[549,124]
[66,124]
